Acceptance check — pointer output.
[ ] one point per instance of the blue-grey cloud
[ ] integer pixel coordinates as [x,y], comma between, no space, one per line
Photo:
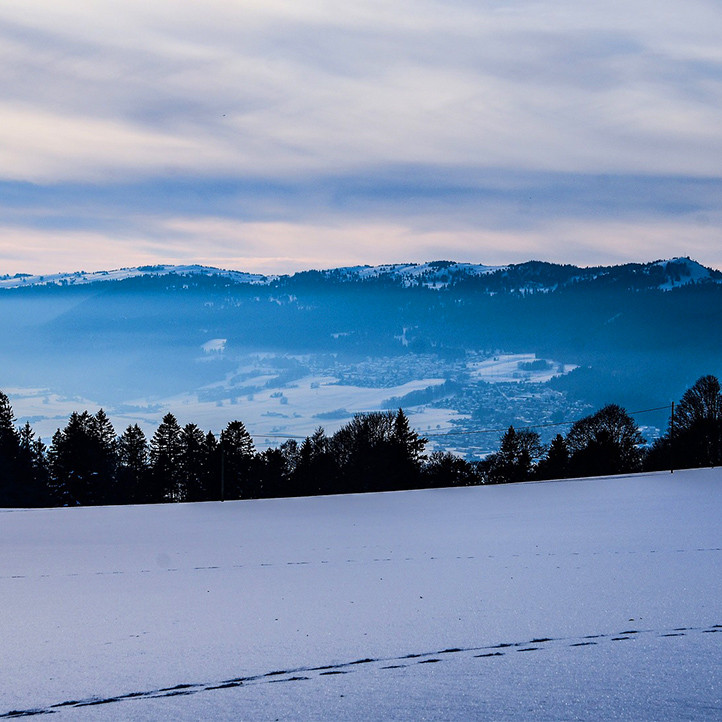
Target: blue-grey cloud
[488,118]
[497,198]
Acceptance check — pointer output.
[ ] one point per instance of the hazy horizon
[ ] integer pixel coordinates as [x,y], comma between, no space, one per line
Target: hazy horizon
[303,268]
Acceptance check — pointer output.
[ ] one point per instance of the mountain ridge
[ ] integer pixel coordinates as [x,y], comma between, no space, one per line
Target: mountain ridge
[464,346]
[665,274]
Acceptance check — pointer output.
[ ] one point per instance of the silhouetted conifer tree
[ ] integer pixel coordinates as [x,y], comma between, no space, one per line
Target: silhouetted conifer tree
[274,473]
[165,453]
[555,465]
[133,466]
[445,469]
[193,463]
[32,468]
[212,472]
[81,463]
[236,446]
[515,461]
[106,451]
[9,450]
[317,467]
[406,454]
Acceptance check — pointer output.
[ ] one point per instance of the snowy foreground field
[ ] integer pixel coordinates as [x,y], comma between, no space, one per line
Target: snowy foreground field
[592,599]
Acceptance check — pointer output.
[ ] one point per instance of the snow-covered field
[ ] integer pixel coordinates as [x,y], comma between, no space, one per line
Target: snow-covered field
[509,368]
[269,415]
[590,599]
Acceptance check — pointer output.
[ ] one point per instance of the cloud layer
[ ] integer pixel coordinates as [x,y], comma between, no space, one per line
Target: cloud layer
[313,132]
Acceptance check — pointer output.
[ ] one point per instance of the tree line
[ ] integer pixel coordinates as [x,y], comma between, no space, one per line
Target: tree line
[87,463]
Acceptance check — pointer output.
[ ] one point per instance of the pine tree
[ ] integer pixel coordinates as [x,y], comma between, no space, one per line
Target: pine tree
[81,470]
[515,461]
[9,450]
[316,465]
[555,464]
[412,444]
[236,447]
[133,466]
[106,450]
[193,463]
[165,453]
[212,471]
[32,469]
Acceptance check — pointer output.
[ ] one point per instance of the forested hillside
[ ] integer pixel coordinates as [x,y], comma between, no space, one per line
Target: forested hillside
[637,335]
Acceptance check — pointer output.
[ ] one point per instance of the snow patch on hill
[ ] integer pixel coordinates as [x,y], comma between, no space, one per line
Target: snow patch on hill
[682,272]
[434,274]
[80,278]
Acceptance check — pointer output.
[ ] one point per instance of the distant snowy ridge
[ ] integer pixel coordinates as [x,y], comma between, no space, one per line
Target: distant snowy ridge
[683,271]
[79,278]
[434,274]
[521,277]
[532,276]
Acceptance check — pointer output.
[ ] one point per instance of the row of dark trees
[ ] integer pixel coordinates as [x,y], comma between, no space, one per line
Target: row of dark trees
[609,442]
[87,463]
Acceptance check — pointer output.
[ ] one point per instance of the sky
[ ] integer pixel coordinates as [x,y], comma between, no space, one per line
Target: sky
[275,135]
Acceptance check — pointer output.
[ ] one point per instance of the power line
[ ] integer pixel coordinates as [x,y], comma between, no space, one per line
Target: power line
[475,431]
[534,426]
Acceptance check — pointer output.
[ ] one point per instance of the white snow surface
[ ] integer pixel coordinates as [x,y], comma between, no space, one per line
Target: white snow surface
[509,368]
[586,599]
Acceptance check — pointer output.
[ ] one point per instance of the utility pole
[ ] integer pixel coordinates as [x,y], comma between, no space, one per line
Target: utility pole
[223,476]
[671,441]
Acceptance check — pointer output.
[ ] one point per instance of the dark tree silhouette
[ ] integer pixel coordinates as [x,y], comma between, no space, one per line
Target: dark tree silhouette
[82,461]
[515,461]
[694,435]
[316,470]
[10,493]
[363,450]
[133,466]
[236,447]
[106,450]
[555,465]
[193,464]
[165,452]
[607,442]
[32,469]
[445,469]
[377,451]
[87,464]
[698,424]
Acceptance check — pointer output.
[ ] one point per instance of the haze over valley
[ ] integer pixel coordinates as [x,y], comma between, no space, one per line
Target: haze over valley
[463,348]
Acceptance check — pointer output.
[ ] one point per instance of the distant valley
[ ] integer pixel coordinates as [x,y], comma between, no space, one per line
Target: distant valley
[465,349]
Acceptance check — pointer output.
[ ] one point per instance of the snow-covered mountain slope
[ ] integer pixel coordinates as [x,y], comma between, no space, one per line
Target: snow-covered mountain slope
[523,277]
[434,274]
[683,271]
[588,599]
[79,278]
